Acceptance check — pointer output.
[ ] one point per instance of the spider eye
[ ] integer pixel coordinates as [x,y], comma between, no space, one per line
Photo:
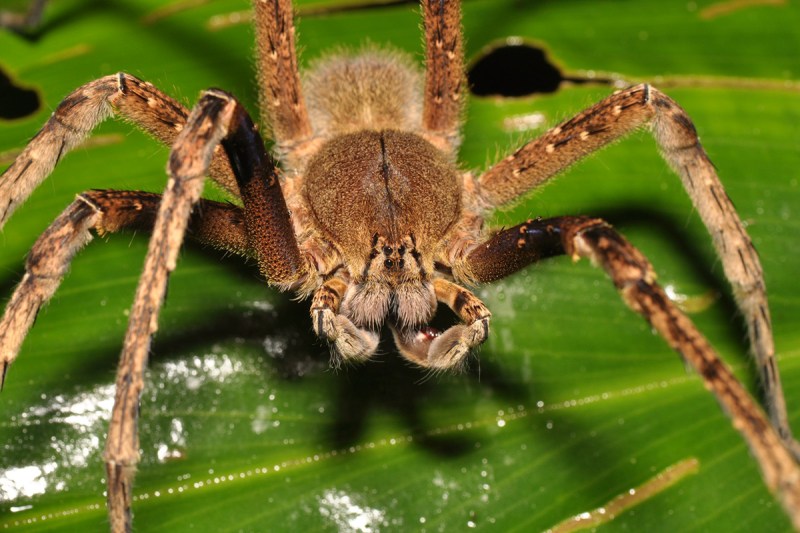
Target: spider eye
[388,263]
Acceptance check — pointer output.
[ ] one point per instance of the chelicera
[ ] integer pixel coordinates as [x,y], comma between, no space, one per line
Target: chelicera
[364,210]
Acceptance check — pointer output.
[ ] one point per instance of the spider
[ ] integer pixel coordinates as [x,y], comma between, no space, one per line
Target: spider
[363,210]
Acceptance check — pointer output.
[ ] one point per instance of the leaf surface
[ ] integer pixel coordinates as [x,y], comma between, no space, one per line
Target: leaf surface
[572,402]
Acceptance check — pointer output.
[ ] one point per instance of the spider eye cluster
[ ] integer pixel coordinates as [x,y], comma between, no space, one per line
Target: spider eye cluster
[394,258]
[393,286]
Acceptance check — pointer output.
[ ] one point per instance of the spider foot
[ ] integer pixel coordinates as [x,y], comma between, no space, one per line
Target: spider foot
[350,343]
[446,350]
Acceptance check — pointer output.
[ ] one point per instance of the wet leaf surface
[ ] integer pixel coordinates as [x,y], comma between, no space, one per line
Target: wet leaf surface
[572,402]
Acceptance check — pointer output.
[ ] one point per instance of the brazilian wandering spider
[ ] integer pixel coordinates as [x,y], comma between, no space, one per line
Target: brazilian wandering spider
[386,250]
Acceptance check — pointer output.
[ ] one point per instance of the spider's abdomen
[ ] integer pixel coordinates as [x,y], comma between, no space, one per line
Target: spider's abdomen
[387,183]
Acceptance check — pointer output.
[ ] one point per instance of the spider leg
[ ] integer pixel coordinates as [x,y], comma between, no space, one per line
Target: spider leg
[45,266]
[612,118]
[78,114]
[350,343]
[444,74]
[513,248]
[189,159]
[217,224]
[281,101]
[216,119]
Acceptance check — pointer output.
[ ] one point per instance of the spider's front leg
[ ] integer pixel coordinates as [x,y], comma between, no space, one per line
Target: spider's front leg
[216,119]
[543,158]
[187,167]
[512,249]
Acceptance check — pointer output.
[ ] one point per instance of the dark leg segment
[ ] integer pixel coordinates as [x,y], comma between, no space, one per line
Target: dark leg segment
[269,226]
[513,248]
[216,224]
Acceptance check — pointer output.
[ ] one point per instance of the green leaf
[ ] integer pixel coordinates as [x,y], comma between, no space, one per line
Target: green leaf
[571,403]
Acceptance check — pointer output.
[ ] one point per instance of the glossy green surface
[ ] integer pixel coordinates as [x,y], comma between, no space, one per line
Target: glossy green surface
[573,400]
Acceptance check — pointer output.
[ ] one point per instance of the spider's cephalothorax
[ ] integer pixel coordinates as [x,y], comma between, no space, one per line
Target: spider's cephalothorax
[369,214]
[384,202]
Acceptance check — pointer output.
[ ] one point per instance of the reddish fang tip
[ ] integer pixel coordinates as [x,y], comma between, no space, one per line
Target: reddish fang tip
[428,333]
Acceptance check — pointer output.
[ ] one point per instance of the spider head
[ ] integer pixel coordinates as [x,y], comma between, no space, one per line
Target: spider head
[387,201]
[393,285]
